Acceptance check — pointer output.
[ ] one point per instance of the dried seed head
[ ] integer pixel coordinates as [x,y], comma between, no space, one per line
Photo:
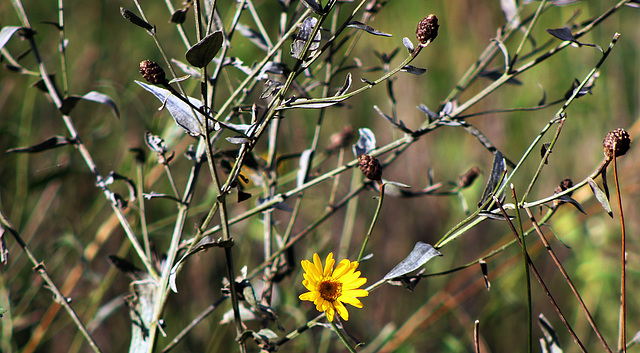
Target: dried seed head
[565,184]
[616,143]
[370,167]
[469,177]
[427,30]
[152,72]
[340,139]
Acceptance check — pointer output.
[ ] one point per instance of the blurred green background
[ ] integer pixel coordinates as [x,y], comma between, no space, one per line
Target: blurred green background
[52,200]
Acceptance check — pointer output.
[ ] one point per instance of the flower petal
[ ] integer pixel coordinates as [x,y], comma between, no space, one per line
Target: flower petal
[343,268]
[328,267]
[342,310]
[353,284]
[310,296]
[351,301]
[317,266]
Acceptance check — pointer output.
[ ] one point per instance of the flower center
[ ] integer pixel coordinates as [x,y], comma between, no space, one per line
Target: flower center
[330,289]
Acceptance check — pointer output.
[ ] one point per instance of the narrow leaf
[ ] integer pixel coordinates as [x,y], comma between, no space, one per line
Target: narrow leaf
[6,33]
[347,83]
[318,103]
[305,164]
[314,6]
[563,34]
[238,140]
[133,18]
[93,96]
[413,70]
[400,125]
[600,196]
[550,343]
[368,29]
[485,274]
[201,53]
[49,144]
[497,172]
[576,204]
[421,253]
[566,35]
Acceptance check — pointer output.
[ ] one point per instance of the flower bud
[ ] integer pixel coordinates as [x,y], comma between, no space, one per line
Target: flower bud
[370,167]
[427,30]
[616,143]
[152,72]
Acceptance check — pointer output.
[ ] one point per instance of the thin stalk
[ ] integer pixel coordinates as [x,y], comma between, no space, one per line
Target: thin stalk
[198,319]
[349,218]
[623,259]
[342,337]
[552,253]
[162,291]
[541,281]
[373,221]
[527,33]
[543,160]
[143,214]
[63,49]
[40,268]
[84,152]
[183,34]
[527,275]
[476,335]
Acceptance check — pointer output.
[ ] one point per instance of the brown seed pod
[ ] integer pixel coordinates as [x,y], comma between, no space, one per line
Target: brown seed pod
[469,177]
[152,72]
[427,30]
[616,143]
[370,167]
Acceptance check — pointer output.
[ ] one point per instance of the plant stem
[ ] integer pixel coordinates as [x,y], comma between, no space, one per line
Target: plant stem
[622,343]
[342,337]
[373,221]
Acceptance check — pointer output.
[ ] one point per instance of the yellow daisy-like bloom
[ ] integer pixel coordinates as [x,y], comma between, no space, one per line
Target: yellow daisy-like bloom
[329,289]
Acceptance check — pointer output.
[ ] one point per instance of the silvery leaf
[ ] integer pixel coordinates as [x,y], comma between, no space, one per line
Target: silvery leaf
[368,29]
[421,253]
[181,112]
[407,43]
[366,143]
[305,163]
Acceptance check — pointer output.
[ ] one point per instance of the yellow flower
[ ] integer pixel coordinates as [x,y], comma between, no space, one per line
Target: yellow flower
[329,289]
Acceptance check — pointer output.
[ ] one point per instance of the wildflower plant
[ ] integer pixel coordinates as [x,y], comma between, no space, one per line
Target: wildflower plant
[184,218]
[330,289]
